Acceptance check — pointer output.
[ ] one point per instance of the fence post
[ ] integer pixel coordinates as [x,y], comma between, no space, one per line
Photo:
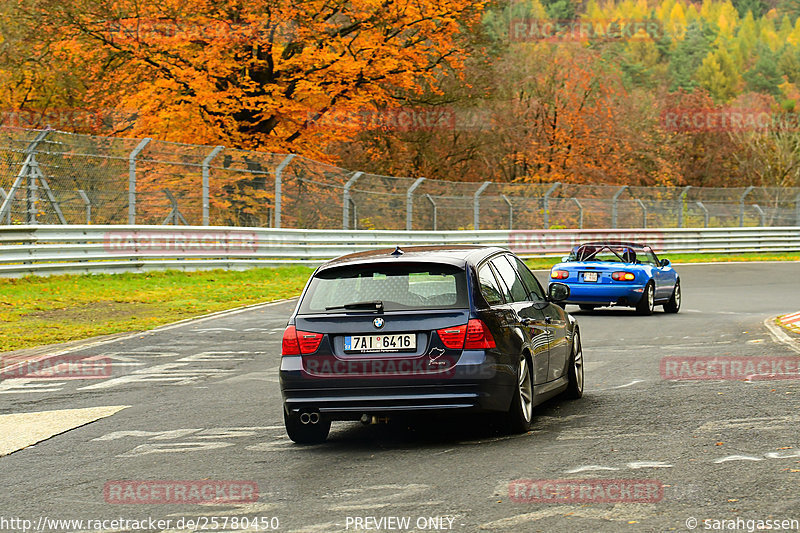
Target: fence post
[278,185]
[682,201]
[132,179]
[206,171]
[510,212]
[30,160]
[580,213]
[741,204]
[476,205]
[796,209]
[705,213]
[614,205]
[88,205]
[762,215]
[644,212]
[4,198]
[346,199]
[546,204]
[430,199]
[410,202]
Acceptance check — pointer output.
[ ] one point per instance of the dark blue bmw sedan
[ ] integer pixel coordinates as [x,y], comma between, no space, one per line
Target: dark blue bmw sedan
[424,329]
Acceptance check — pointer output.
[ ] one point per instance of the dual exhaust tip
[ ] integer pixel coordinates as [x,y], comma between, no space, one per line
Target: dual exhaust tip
[309,418]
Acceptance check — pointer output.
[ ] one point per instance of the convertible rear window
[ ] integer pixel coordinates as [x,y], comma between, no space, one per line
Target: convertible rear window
[395,286]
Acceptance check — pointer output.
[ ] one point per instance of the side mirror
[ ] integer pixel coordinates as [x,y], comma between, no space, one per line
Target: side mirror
[664,262]
[565,259]
[558,292]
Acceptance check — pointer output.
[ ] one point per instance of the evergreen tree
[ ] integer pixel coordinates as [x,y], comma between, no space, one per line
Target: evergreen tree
[764,76]
[757,7]
[688,56]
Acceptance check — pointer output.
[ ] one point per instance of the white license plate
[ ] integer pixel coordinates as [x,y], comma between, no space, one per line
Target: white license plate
[590,276]
[405,342]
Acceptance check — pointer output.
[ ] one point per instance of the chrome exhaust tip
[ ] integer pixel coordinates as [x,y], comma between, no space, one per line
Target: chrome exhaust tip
[305,418]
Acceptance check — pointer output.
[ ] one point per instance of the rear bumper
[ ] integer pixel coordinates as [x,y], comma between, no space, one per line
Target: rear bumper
[600,294]
[474,383]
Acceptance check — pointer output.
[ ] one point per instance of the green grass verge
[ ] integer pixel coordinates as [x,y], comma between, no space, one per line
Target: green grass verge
[45,310]
[546,263]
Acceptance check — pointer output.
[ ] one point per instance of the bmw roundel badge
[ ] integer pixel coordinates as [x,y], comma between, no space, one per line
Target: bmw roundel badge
[378,322]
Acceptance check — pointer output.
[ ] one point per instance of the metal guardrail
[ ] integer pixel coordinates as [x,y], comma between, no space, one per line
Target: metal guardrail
[66,249]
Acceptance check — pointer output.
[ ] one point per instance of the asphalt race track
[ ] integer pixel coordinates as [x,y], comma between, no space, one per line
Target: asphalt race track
[200,401]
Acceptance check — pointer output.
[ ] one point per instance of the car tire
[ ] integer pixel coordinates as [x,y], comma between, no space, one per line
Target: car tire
[588,308]
[520,413]
[674,303]
[647,302]
[306,433]
[575,370]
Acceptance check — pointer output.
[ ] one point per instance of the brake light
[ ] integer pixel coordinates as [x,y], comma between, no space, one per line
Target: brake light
[453,338]
[478,336]
[299,342]
[559,274]
[623,276]
[290,346]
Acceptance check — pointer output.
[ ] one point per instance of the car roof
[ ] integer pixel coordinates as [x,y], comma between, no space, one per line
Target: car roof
[453,254]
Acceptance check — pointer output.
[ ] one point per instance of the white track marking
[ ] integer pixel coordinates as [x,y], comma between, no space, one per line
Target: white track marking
[20,430]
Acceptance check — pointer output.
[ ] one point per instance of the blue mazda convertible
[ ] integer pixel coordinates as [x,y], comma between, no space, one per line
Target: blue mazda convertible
[623,274]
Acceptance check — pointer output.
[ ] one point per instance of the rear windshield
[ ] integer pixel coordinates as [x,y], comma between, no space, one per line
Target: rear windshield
[396,286]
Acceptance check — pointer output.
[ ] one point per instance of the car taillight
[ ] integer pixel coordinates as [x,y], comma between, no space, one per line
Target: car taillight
[453,338]
[299,342]
[623,276]
[559,274]
[478,336]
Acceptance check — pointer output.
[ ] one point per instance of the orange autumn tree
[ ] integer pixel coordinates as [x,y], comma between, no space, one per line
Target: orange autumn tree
[258,74]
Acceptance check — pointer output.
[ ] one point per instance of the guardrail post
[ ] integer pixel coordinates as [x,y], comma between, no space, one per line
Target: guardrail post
[88,205]
[682,202]
[206,172]
[546,204]
[644,213]
[510,212]
[346,199]
[741,204]
[278,185]
[410,202]
[476,205]
[614,205]
[762,215]
[132,179]
[580,213]
[705,213]
[433,204]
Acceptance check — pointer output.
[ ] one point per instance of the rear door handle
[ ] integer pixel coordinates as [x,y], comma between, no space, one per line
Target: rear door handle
[548,320]
[527,321]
